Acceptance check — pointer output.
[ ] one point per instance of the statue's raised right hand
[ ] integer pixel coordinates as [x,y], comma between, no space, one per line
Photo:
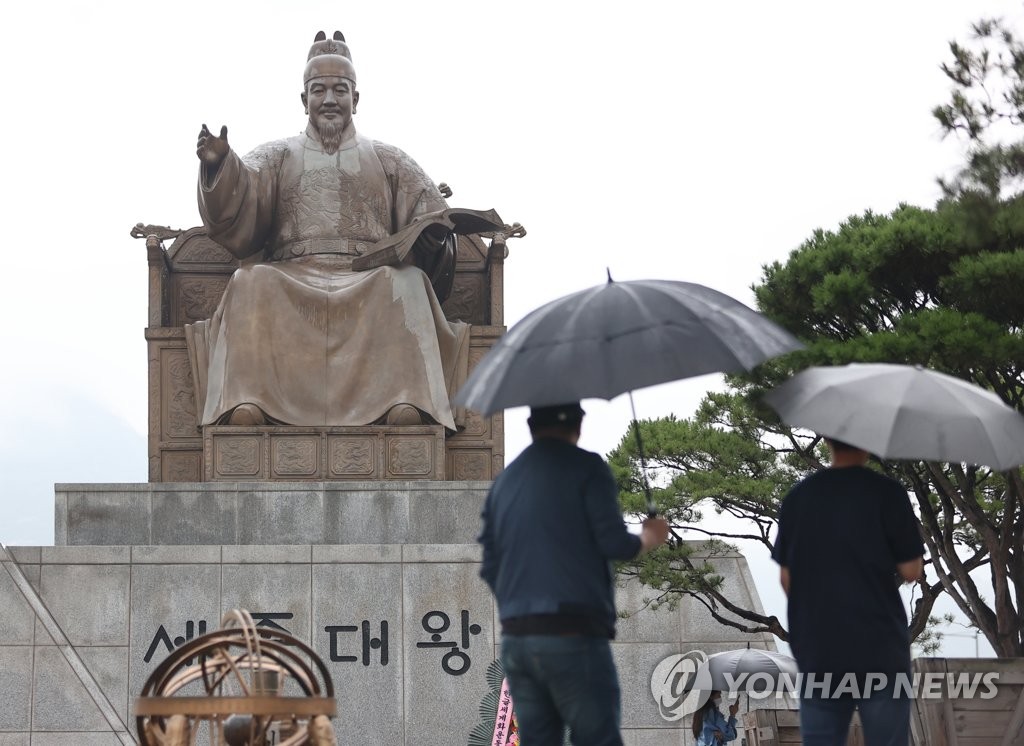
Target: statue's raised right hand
[212,150]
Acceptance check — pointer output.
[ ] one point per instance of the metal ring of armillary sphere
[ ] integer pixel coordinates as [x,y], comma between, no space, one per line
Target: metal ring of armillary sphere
[235,679]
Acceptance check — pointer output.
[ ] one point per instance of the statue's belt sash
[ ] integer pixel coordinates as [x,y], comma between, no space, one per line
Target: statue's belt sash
[346,246]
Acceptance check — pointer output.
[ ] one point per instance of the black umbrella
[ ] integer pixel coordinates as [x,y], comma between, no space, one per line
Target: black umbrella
[620,336]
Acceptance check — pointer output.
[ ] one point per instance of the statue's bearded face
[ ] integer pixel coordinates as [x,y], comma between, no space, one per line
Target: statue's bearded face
[331,101]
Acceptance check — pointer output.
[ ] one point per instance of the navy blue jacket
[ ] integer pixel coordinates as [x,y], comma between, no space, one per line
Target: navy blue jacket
[551,526]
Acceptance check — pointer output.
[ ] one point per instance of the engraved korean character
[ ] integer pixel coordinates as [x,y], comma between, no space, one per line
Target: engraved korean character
[368,642]
[162,636]
[437,623]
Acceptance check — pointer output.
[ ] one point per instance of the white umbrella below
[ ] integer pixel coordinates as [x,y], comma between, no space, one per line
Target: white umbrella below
[751,669]
[904,412]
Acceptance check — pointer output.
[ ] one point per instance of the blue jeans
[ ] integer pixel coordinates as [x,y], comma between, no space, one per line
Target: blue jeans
[885,719]
[563,681]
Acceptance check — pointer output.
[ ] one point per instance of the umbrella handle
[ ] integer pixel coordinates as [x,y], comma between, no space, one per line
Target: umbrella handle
[652,511]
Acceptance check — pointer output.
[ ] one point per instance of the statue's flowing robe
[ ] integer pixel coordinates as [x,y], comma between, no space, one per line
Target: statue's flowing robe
[297,332]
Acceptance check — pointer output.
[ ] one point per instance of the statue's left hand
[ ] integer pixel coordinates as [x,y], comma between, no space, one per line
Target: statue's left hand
[212,150]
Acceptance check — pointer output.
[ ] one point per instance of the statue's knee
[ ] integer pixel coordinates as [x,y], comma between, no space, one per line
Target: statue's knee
[247,415]
[403,414]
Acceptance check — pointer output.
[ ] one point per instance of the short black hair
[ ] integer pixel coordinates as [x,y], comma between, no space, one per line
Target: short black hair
[839,445]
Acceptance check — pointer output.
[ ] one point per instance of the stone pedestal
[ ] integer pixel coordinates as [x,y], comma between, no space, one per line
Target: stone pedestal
[269,513]
[381,579]
[342,453]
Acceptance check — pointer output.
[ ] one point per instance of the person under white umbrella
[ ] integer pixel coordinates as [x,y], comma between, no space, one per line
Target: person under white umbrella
[845,531]
[710,726]
[749,670]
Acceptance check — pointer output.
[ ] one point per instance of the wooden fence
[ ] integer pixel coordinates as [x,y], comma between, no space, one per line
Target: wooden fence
[946,715]
[782,727]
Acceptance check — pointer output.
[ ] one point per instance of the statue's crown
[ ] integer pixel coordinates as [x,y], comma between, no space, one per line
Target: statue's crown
[329,58]
[323,45]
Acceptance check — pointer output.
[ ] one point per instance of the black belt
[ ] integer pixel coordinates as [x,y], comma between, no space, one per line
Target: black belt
[555,624]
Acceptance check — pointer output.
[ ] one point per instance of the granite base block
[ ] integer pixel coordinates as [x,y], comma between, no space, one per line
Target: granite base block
[257,513]
[16,687]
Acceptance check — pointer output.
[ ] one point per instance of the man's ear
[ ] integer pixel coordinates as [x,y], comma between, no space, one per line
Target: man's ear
[355,101]
[305,101]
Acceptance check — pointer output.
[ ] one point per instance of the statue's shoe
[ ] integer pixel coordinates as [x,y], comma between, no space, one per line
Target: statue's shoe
[247,415]
[403,414]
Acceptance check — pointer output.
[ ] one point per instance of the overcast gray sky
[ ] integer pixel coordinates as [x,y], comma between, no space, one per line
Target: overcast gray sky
[687,140]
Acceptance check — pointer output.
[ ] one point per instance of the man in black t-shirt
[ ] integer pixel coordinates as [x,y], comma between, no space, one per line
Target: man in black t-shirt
[844,532]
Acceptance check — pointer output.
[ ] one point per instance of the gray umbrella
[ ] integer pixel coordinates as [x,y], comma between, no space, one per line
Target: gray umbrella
[620,336]
[753,671]
[768,669]
[904,412]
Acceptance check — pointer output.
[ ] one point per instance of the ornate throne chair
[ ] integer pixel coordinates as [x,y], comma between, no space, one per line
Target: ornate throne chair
[186,281]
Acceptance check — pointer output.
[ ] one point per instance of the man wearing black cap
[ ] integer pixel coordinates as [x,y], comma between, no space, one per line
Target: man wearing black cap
[551,528]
